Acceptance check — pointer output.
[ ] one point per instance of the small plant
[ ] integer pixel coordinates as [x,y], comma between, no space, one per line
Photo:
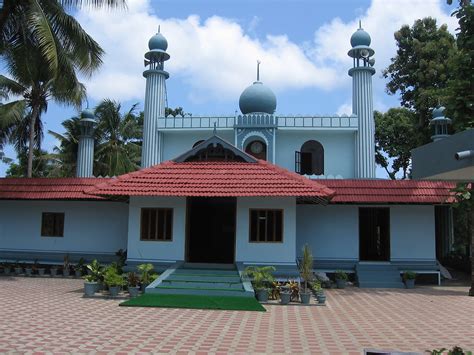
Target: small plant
[294,289]
[80,266]
[341,275]
[261,276]
[306,267]
[146,272]
[457,350]
[121,259]
[316,286]
[96,272]
[409,275]
[112,278]
[133,279]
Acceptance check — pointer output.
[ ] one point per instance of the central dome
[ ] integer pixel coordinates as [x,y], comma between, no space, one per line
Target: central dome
[257,98]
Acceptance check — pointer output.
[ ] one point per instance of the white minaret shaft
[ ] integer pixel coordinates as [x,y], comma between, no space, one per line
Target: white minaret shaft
[363,103]
[155,98]
[85,152]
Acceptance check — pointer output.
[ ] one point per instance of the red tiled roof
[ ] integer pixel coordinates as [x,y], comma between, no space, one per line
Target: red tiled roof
[47,188]
[390,191]
[210,179]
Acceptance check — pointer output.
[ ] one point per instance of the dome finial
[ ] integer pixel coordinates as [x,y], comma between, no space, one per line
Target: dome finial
[159,28]
[258,69]
[360,24]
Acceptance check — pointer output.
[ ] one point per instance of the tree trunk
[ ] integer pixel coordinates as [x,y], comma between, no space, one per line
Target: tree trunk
[31,143]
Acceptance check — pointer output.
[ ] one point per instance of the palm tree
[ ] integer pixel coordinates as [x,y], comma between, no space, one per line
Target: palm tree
[65,154]
[118,146]
[46,23]
[35,84]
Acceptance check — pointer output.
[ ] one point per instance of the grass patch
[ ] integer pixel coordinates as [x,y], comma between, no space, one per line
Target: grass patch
[195,302]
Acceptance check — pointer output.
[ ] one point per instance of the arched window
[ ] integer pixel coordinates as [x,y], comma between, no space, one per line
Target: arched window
[257,149]
[197,143]
[310,160]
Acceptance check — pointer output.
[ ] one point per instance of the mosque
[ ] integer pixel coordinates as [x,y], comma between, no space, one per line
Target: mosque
[244,189]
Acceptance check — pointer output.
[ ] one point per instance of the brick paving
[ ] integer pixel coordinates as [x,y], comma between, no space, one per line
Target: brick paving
[49,315]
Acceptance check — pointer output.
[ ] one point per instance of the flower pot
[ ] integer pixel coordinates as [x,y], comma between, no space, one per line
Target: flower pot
[321,298]
[114,290]
[41,271]
[7,271]
[285,297]
[18,270]
[341,283]
[133,291]
[262,295]
[66,272]
[90,288]
[53,271]
[78,273]
[28,271]
[305,297]
[143,287]
[410,283]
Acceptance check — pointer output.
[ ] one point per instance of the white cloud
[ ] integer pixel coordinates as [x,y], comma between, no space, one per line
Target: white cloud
[216,57]
[344,109]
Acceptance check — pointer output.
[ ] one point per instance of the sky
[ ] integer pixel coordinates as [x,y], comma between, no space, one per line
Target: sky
[214,46]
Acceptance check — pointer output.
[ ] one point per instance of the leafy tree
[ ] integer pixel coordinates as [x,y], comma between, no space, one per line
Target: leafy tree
[117,149]
[460,100]
[35,85]
[41,165]
[178,111]
[396,134]
[65,154]
[56,33]
[419,72]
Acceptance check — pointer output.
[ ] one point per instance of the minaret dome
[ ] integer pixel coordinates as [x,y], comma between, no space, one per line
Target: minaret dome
[257,98]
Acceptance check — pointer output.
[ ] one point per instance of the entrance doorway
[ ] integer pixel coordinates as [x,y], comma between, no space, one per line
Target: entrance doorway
[211,230]
[374,234]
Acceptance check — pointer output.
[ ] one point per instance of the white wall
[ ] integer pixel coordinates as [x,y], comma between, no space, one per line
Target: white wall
[157,250]
[89,227]
[266,252]
[331,231]
[176,143]
[412,232]
[338,150]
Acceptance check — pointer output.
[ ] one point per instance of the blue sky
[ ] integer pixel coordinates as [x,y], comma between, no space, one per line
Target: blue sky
[214,46]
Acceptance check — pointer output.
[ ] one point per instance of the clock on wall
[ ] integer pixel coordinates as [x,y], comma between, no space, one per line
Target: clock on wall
[256,147]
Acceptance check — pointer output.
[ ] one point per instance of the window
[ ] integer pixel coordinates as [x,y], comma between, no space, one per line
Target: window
[52,224]
[310,160]
[266,226]
[257,149]
[156,224]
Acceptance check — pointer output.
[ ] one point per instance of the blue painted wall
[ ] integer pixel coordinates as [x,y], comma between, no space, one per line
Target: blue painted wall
[276,253]
[89,227]
[157,250]
[338,146]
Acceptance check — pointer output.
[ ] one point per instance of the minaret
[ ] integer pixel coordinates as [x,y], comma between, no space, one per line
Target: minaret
[155,97]
[85,152]
[440,124]
[362,102]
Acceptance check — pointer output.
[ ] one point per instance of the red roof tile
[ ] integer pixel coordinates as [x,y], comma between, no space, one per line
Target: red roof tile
[48,188]
[390,191]
[210,179]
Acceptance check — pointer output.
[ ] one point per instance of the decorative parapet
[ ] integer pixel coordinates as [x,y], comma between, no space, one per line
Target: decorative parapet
[322,177]
[259,121]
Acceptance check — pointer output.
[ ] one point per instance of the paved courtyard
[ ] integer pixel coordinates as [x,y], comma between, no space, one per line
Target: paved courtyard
[50,315]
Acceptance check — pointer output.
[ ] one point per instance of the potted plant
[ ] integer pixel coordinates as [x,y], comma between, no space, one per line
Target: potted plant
[53,270]
[96,273]
[133,281]
[66,265]
[113,280]
[146,272]
[79,268]
[90,285]
[319,292]
[306,271]
[341,279]
[409,279]
[285,293]
[261,277]
[29,270]
[18,268]
[7,269]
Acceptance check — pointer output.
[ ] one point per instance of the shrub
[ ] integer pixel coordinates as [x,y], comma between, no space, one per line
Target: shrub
[112,277]
[409,275]
[341,275]
[261,276]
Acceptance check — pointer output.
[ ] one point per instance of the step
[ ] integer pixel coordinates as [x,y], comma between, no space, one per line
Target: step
[196,291]
[370,284]
[203,278]
[197,284]
[206,272]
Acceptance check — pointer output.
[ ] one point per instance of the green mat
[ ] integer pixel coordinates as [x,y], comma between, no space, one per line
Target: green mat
[195,302]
